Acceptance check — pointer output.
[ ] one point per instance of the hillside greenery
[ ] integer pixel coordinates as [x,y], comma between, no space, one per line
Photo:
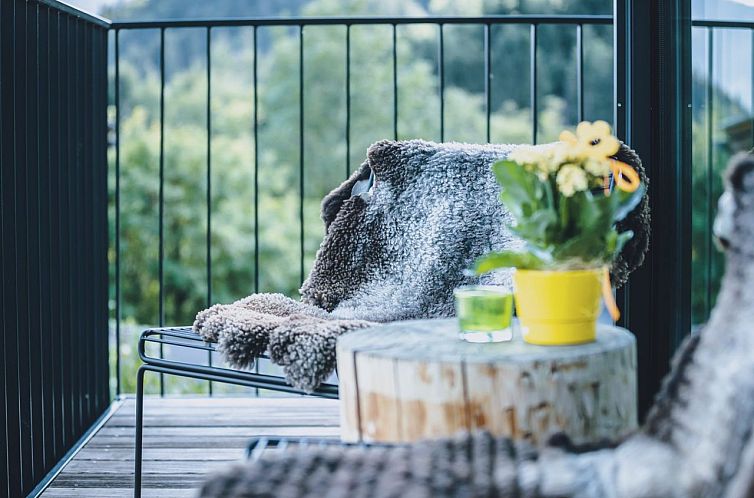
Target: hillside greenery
[324,159]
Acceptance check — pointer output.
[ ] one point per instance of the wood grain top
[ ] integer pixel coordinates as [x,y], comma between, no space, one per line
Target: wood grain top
[438,340]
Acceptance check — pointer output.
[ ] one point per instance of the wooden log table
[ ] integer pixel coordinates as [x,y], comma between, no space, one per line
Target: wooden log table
[410,380]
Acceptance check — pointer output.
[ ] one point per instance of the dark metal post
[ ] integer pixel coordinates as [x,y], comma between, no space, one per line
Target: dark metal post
[653,42]
[139,427]
[161,214]
[441,78]
[487,77]
[533,81]
[395,84]
[117,213]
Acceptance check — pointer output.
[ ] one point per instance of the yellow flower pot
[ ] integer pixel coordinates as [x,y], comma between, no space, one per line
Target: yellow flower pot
[558,307]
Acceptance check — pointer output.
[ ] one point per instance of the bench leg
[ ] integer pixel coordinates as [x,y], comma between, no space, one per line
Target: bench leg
[138,440]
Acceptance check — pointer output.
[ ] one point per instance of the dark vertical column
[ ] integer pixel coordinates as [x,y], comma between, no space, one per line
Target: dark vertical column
[348,100]
[22,240]
[10,449]
[301,148]
[441,78]
[161,211]
[33,328]
[653,106]
[55,233]
[208,200]
[487,77]
[256,169]
[44,238]
[579,73]
[395,83]
[117,213]
[101,201]
[533,82]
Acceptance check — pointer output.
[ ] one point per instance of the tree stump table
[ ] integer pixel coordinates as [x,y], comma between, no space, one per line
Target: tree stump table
[410,380]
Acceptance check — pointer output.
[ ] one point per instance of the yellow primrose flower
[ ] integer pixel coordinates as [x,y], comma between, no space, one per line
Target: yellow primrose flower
[571,179]
[526,155]
[597,167]
[592,139]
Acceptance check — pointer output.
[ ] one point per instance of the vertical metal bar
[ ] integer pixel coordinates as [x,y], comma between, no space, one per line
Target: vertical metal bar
[256,167]
[441,78]
[752,88]
[5,452]
[533,81]
[580,72]
[710,171]
[63,223]
[395,84]
[209,184]
[348,100]
[256,184]
[8,215]
[31,219]
[45,385]
[621,119]
[301,144]
[45,242]
[161,261]
[487,77]
[117,213]
[76,210]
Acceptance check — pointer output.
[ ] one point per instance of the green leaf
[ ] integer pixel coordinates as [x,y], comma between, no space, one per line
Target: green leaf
[616,241]
[521,190]
[625,202]
[507,259]
[536,227]
[586,246]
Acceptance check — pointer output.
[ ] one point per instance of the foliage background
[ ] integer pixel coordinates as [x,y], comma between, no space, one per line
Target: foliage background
[324,155]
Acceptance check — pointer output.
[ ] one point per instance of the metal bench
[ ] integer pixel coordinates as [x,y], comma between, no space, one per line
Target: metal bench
[184,337]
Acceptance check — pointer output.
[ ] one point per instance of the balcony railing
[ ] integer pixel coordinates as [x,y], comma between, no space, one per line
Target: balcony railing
[53,182]
[298,139]
[53,233]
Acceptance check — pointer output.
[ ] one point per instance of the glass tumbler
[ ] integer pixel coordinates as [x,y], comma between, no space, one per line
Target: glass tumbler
[484,313]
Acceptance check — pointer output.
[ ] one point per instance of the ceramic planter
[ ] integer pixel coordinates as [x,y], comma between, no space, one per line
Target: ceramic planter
[558,307]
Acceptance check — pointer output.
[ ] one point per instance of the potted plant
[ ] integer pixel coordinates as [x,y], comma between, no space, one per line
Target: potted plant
[565,210]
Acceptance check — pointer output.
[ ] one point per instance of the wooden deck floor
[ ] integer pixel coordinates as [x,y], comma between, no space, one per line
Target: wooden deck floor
[185,440]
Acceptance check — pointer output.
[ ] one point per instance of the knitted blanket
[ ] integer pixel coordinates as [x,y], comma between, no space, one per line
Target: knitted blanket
[399,234]
[472,466]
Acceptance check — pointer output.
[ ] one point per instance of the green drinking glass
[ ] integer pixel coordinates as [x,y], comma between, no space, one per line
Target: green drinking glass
[484,313]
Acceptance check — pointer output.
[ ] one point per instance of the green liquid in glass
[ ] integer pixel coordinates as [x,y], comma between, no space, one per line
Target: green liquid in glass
[484,309]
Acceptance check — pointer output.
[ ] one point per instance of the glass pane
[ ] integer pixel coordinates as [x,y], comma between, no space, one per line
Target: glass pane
[722,126]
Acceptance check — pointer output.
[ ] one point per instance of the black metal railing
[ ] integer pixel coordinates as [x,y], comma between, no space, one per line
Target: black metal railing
[713,111]
[53,233]
[300,25]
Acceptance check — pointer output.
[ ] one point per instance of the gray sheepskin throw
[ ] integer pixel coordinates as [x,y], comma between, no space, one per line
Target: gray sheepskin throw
[399,234]
[469,466]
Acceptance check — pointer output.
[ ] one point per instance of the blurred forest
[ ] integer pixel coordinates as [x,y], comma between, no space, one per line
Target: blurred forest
[327,159]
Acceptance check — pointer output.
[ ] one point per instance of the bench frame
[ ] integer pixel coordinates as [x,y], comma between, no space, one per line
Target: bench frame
[185,337]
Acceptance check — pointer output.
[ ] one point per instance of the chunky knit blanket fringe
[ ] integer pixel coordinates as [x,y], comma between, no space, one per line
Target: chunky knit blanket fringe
[399,234]
[470,466]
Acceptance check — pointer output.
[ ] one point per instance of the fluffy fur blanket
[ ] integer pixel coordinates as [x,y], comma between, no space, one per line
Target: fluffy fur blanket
[399,234]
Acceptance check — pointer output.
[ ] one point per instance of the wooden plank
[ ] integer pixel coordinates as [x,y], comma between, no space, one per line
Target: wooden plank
[219,431]
[159,454]
[185,440]
[182,467]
